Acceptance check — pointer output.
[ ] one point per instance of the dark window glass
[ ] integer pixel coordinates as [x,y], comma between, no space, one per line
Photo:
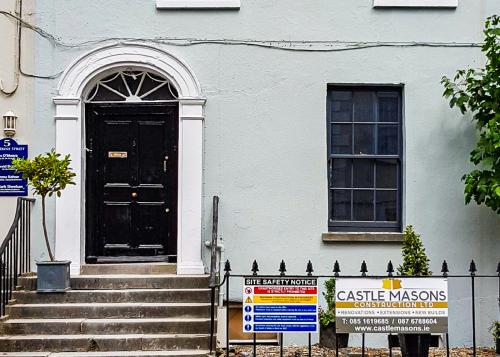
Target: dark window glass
[363,205]
[364,139]
[365,154]
[342,138]
[387,139]
[342,205]
[363,173]
[363,107]
[341,173]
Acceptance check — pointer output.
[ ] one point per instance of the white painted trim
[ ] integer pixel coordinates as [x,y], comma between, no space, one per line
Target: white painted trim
[197,4]
[415,3]
[69,117]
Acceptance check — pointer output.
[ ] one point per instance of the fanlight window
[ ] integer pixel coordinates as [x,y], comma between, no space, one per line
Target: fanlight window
[132,86]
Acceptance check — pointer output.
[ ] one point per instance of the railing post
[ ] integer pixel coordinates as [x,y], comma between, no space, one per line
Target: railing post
[336,274]
[282,271]
[445,271]
[309,271]
[390,272]
[227,275]
[255,269]
[472,270]
[213,264]
[364,270]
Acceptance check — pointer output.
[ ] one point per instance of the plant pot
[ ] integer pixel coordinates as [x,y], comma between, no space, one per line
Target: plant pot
[328,337]
[414,345]
[53,277]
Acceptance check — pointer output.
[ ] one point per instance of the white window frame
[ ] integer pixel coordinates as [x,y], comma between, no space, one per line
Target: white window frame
[416,3]
[197,4]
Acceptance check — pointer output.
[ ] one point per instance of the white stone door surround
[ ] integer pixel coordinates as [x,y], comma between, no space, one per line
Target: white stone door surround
[69,117]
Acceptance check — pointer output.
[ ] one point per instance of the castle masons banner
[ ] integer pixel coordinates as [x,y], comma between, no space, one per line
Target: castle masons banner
[392,305]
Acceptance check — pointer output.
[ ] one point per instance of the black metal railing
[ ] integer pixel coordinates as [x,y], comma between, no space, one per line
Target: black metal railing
[471,277]
[213,268]
[15,257]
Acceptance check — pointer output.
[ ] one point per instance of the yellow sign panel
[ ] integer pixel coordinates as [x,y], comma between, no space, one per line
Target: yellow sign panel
[391,305]
[117,154]
[285,299]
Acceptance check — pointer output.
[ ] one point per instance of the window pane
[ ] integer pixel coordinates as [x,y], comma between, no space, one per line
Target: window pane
[363,173]
[341,106]
[387,139]
[341,138]
[387,173]
[363,205]
[341,175]
[341,205]
[364,139]
[386,205]
[388,108]
[363,106]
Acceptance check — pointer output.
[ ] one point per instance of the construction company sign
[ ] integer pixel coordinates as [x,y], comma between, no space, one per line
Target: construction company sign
[280,304]
[407,305]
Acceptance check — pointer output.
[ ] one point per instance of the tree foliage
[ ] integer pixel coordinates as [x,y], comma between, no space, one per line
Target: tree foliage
[415,260]
[48,174]
[478,91]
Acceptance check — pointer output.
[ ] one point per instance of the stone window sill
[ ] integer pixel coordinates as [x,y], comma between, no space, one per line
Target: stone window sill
[371,237]
[197,4]
[416,3]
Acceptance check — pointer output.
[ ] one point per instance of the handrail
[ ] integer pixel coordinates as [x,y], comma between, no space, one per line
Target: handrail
[15,257]
[213,267]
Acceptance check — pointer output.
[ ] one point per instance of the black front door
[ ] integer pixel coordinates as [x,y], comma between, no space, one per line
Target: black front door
[131,182]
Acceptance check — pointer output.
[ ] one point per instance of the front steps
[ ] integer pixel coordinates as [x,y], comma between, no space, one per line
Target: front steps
[112,310]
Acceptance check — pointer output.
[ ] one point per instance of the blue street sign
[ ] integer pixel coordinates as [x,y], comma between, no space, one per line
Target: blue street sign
[12,183]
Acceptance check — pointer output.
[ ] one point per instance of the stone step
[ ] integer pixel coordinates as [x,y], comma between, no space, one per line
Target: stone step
[127,281]
[85,343]
[129,268]
[181,353]
[115,296]
[108,310]
[105,326]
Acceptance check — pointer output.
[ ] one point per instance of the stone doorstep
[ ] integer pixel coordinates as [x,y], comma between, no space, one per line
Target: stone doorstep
[129,268]
[109,310]
[116,296]
[186,353]
[84,343]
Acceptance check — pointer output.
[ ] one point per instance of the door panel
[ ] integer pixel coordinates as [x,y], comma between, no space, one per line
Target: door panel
[131,180]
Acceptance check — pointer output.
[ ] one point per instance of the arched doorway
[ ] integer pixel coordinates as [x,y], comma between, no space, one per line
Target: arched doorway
[131,134]
[75,88]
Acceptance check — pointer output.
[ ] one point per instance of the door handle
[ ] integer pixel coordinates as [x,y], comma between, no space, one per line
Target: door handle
[134,194]
[165,164]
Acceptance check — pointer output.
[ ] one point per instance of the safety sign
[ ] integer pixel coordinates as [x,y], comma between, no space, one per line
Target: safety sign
[284,304]
[11,182]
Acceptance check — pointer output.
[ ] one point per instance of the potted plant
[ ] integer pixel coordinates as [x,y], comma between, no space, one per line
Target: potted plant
[328,336]
[415,263]
[495,331]
[48,174]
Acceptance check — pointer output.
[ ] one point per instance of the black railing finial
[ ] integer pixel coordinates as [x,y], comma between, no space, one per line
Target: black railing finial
[282,269]
[336,268]
[444,268]
[390,268]
[309,268]
[472,268]
[255,267]
[227,267]
[364,269]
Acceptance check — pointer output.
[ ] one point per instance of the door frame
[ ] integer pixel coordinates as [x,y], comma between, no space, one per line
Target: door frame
[92,249]
[69,116]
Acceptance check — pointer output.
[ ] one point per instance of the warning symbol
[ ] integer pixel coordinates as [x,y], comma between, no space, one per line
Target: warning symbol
[248,300]
[248,290]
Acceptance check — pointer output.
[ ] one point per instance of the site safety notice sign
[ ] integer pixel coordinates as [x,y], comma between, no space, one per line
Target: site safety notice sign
[277,305]
[392,305]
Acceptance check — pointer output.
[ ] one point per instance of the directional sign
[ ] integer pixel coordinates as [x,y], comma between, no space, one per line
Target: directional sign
[407,305]
[280,304]
[11,183]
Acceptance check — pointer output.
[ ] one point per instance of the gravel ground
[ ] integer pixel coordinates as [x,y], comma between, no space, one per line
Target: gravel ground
[317,351]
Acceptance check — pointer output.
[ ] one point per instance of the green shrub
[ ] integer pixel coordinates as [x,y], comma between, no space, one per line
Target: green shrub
[495,330]
[415,260]
[327,317]
[48,174]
